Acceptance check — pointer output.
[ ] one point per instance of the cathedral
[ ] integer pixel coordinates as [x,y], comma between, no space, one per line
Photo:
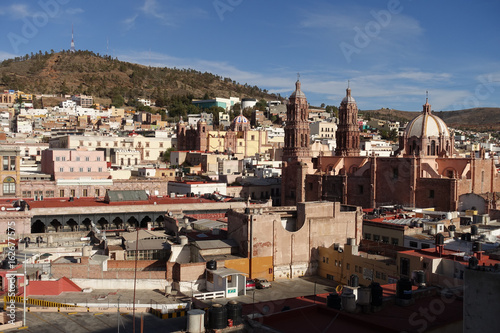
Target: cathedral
[423,172]
[240,140]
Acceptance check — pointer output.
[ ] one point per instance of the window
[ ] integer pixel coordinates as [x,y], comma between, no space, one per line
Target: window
[97,192]
[9,186]
[89,169]
[368,236]
[78,158]
[425,245]
[26,194]
[49,194]
[147,144]
[348,266]
[81,169]
[98,158]
[376,238]
[323,259]
[73,192]
[61,169]
[100,169]
[147,153]
[404,266]
[87,158]
[58,158]
[394,241]
[6,163]
[85,192]
[360,189]
[63,158]
[61,193]
[385,239]
[395,173]
[115,144]
[413,244]
[253,137]
[431,194]
[161,144]
[71,169]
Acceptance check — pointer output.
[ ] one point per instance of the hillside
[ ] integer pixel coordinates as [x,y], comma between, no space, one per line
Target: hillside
[480,119]
[88,73]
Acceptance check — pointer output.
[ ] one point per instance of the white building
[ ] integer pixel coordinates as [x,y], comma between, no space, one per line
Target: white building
[34,112]
[248,103]
[323,130]
[376,148]
[24,126]
[68,104]
[198,188]
[145,102]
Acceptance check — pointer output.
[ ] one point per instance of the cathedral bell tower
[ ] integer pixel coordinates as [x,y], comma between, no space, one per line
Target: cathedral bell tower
[296,152]
[347,135]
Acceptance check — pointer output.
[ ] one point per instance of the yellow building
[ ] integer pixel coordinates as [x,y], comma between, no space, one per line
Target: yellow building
[338,263]
[241,143]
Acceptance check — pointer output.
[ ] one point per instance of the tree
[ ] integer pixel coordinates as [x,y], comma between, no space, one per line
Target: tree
[63,89]
[261,105]
[333,110]
[117,100]
[166,154]
[322,105]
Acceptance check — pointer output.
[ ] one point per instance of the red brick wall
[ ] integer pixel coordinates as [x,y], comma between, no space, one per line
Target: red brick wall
[84,270]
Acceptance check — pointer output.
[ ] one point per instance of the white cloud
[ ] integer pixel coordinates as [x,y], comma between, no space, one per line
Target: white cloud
[16,11]
[152,8]
[403,89]
[6,55]
[130,22]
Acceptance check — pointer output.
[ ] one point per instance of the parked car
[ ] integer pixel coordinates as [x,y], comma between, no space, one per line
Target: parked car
[250,284]
[262,283]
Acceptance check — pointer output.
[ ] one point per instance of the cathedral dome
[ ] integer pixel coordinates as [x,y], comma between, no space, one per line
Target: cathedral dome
[427,135]
[427,125]
[297,92]
[240,123]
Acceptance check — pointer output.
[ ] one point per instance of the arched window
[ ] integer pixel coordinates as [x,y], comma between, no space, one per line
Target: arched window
[433,147]
[9,186]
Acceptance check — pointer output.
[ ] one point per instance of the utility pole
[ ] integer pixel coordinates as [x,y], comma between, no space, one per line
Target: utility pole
[25,288]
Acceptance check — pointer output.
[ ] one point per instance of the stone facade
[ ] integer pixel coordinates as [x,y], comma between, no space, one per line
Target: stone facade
[290,236]
[426,176]
[296,152]
[348,129]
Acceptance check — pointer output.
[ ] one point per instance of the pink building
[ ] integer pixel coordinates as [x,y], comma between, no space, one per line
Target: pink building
[74,164]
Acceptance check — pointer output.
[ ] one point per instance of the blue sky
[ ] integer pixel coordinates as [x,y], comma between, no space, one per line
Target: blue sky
[392,51]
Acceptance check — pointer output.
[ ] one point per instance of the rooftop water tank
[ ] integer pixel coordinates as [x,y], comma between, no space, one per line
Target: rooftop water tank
[196,321]
[364,296]
[333,301]
[403,289]
[354,281]
[234,312]
[348,302]
[377,294]
[217,317]
[212,265]
[474,230]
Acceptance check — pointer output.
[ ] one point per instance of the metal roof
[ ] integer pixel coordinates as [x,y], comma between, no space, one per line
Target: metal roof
[215,244]
[132,195]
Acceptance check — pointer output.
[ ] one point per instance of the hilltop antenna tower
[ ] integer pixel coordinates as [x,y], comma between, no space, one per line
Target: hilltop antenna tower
[72,49]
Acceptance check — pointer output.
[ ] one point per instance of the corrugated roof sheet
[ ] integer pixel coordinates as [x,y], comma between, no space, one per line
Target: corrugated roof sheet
[132,195]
